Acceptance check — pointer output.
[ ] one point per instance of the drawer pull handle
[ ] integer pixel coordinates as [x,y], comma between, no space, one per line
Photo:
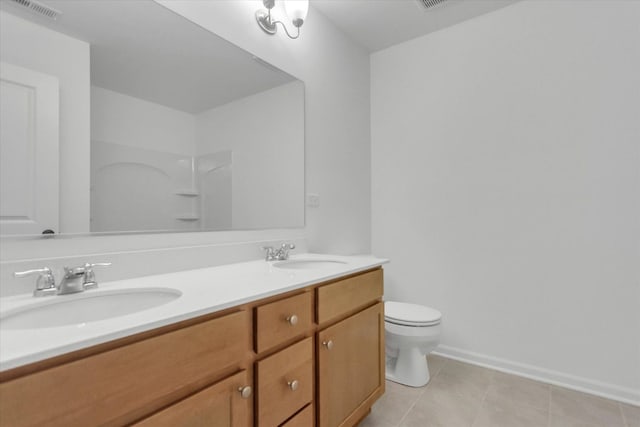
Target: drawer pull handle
[245,392]
[293,320]
[293,385]
[328,344]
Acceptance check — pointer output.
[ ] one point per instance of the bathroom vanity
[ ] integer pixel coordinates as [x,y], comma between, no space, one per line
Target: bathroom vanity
[307,351]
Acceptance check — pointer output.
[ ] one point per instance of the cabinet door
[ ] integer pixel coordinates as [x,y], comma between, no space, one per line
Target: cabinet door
[221,405]
[350,367]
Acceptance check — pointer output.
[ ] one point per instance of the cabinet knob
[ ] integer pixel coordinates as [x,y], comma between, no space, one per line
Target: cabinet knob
[328,344]
[245,392]
[293,385]
[293,320]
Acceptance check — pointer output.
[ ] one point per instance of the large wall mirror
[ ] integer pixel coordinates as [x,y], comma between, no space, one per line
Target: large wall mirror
[187,132]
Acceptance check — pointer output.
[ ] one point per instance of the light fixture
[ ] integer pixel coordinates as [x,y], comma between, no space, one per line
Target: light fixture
[296,11]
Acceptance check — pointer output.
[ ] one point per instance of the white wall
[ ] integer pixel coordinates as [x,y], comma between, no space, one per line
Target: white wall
[34,47]
[123,119]
[268,155]
[337,156]
[336,75]
[267,146]
[141,154]
[506,186]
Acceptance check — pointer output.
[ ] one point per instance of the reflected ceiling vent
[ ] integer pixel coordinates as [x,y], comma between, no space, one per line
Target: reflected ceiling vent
[37,7]
[429,4]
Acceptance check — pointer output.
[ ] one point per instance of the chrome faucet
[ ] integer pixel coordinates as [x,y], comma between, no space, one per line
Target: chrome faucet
[45,284]
[79,279]
[280,254]
[89,279]
[76,279]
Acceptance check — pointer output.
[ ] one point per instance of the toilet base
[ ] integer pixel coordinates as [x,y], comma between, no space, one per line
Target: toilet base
[410,368]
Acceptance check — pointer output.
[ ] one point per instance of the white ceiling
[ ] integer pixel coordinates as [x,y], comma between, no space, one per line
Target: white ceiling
[378,24]
[132,52]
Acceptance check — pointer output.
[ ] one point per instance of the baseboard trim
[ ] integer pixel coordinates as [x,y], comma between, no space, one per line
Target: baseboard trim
[597,388]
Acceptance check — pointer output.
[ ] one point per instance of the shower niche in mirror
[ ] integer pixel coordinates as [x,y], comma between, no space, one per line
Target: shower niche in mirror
[187,131]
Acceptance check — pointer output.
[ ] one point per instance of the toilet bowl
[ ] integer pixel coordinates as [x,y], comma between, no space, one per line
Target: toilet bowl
[411,332]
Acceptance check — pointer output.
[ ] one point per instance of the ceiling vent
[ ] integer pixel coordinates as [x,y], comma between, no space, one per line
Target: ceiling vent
[428,4]
[38,8]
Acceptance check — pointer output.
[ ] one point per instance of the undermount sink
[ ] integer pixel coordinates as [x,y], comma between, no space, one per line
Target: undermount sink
[89,306]
[306,264]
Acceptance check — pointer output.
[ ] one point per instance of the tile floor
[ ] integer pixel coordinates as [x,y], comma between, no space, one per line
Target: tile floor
[463,395]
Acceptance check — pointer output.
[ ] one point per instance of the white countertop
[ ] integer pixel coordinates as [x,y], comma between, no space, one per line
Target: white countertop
[204,291]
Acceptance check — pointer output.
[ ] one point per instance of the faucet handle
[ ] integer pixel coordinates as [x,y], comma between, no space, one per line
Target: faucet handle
[269,253]
[45,284]
[284,250]
[89,281]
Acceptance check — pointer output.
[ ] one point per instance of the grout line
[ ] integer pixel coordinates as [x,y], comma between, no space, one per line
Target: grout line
[549,406]
[486,393]
[420,395]
[409,410]
[624,419]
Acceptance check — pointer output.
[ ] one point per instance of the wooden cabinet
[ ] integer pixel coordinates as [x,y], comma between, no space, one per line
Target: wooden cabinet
[350,367]
[313,356]
[122,385]
[284,383]
[304,418]
[351,359]
[345,296]
[283,320]
[227,403]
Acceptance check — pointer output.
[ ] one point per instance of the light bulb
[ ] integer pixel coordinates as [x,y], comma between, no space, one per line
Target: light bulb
[297,11]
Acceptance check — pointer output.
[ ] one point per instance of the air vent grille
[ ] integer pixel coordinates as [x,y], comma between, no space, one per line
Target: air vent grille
[38,8]
[428,4]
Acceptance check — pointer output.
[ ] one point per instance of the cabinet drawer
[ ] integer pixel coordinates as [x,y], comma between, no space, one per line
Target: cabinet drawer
[284,383]
[127,383]
[347,295]
[222,405]
[283,320]
[304,418]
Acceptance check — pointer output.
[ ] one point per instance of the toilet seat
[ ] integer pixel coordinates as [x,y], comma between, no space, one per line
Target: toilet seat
[405,314]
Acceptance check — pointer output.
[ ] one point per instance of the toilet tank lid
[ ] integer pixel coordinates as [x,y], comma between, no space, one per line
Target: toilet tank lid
[413,313]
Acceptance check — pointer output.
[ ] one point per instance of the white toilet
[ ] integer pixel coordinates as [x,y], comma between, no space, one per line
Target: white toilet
[412,332]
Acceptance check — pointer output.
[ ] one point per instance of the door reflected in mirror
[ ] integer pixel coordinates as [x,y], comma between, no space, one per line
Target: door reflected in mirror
[187,132]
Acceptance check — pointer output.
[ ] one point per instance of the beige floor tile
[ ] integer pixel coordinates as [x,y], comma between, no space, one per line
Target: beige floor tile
[585,408]
[435,364]
[631,415]
[562,421]
[463,395]
[510,388]
[374,419]
[434,412]
[453,368]
[506,413]
[404,390]
[447,403]
[394,404]
[473,386]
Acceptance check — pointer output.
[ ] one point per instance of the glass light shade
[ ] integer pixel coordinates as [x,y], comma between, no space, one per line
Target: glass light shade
[296,10]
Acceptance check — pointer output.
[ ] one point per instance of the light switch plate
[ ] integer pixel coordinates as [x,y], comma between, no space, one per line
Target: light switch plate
[313,200]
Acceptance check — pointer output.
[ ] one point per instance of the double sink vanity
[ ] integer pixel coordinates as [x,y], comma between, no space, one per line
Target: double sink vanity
[280,343]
